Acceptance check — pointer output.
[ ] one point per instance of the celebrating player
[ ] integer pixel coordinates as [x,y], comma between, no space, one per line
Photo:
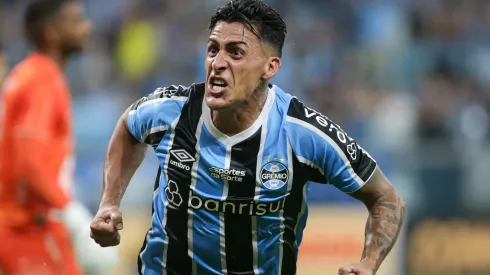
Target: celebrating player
[236,154]
[36,150]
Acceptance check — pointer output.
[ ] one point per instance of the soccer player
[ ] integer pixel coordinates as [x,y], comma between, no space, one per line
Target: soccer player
[236,156]
[36,150]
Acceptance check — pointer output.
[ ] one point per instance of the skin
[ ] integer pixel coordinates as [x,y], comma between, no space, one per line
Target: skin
[66,33]
[386,214]
[236,56]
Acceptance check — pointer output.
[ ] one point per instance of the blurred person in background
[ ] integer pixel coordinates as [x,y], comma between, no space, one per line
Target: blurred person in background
[4,64]
[226,200]
[41,224]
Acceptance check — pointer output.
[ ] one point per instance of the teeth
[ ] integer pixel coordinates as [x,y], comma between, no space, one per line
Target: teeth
[218,82]
[217,88]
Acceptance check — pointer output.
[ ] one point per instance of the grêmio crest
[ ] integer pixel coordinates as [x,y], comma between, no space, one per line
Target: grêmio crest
[274,174]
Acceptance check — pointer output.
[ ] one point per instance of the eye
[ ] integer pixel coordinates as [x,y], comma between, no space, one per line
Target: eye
[212,50]
[237,53]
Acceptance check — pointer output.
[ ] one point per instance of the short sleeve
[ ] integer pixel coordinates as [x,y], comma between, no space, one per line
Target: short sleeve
[139,120]
[320,143]
[150,117]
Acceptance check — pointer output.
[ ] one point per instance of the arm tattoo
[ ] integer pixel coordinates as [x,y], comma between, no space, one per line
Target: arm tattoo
[382,228]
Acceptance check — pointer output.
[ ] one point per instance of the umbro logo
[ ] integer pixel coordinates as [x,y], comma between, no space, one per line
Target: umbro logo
[181,156]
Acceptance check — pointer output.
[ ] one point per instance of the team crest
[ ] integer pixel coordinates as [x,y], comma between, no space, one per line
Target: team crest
[274,175]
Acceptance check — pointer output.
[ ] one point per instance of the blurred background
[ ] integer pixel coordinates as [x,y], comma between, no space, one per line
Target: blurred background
[409,79]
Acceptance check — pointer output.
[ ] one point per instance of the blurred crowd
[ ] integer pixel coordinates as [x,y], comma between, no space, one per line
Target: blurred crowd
[409,79]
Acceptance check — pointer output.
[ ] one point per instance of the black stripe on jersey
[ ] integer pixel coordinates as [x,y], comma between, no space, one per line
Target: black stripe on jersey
[238,228]
[182,154]
[314,175]
[292,208]
[155,187]
[140,260]
[361,163]
[154,139]
[162,92]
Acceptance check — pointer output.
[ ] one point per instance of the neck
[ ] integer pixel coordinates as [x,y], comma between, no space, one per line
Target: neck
[58,57]
[235,120]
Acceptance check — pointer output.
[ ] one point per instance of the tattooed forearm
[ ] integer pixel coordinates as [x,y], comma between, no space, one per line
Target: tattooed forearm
[382,228]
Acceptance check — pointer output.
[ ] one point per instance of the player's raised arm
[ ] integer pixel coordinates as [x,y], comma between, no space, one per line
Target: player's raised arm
[124,156]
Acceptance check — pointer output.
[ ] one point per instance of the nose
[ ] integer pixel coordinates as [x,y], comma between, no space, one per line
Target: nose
[219,62]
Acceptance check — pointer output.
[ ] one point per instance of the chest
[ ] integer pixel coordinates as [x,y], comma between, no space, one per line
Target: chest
[255,172]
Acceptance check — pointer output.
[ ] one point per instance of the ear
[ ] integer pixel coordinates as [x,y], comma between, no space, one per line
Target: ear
[273,65]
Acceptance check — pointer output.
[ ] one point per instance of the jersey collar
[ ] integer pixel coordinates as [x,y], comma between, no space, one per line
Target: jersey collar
[230,141]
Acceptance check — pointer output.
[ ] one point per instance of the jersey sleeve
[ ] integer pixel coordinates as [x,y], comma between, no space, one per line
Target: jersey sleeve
[151,116]
[323,145]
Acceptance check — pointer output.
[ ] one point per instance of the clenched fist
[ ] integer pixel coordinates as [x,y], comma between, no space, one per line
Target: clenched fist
[105,227]
[355,269]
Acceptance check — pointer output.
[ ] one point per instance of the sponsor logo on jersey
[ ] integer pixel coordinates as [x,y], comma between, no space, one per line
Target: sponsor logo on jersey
[166,91]
[352,150]
[241,207]
[274,175]
[182,158]
[172,192]
[329,126]
[227,174]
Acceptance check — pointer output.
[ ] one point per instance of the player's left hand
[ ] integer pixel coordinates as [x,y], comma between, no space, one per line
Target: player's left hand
[355,269]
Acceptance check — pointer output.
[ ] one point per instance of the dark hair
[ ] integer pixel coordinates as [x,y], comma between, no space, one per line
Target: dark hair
[263,20]
[37,12]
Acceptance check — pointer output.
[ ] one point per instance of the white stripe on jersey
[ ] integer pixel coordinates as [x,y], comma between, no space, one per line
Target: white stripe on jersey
[260,156]
[332,143]
[153,131]
[281,214]
[222,215]
[222,243]
[190,240]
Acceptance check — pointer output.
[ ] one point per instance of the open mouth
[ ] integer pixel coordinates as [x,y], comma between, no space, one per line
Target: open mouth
[217,84]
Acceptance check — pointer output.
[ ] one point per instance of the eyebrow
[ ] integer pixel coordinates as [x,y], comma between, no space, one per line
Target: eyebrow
[229,44]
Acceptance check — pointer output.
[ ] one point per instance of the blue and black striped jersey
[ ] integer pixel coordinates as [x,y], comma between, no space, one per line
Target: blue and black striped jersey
[237,205]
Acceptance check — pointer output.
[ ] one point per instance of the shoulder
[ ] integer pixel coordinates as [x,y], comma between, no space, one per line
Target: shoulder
[282,99]
[304,120]
[173,93]
[299,113]
[296,113]
[25,82]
